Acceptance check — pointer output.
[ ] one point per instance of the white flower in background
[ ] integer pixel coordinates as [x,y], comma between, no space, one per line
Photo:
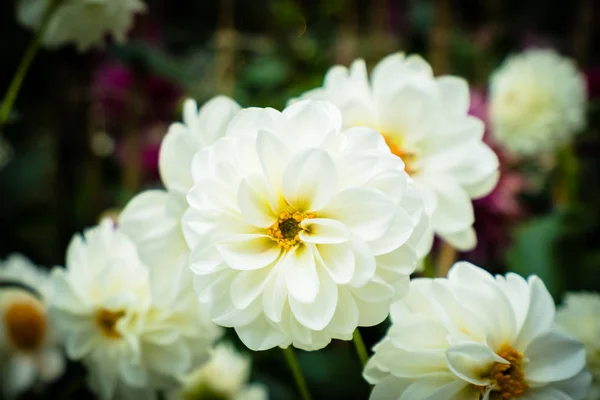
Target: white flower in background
[30,349]
[224,376]
[580,317]
[133,337]
[82,22]
[537,102]
[472,337]
[299,232]
[152,219]
[424,121]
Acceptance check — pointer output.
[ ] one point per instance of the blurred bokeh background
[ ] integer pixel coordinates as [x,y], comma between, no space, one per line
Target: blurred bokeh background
[85,133]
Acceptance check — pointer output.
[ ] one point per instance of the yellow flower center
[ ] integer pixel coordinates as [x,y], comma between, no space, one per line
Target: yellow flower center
[396,148]
[508,379]
[26,325]
[286,230]
[107,322]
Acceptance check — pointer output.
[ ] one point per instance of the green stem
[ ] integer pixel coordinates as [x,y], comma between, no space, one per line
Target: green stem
[359,345]
[15,84]
[290,358]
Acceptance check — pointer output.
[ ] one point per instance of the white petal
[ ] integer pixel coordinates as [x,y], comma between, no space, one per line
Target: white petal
[540,313]
[175,161]
[247,285]
[367,212]
[553,356]
[471,362]
[301,273]
[545,393]
[464,240]
[255,206]
[440,387]
[454,211]
[323,231]
[20,375]
[338,260]
[247,252]
[364,262]
[454,93]
[260,335]
[310,180]
[313,120]
[345,319]
[274,156]
[317,314]
[275,295]
[375,290]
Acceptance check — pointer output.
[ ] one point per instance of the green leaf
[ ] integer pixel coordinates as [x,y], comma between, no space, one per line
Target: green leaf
[533,252]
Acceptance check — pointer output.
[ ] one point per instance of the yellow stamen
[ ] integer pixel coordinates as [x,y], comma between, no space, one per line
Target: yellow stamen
[408,157]
[26,324]
[286,230]
[107,322]
[508,379]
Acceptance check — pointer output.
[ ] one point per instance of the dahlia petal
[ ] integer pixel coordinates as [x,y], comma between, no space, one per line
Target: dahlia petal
[367,212]
[254,207]
[248,251]
[470,362]
[338,260]
[317,314]
[310,180]
[323,231]
[540,314]
[565,359]
[247,286]
[301,275]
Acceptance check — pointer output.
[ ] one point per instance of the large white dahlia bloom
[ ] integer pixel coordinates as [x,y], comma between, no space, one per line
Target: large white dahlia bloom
[224,376]
[82,22]
[472,336]
[133,337]
[300,232]
[424,121]
[152,219]
[30,348]
[580,317]
[537,101]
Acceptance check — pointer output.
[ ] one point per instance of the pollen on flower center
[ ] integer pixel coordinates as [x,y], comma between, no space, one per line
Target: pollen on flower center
[26,324]
[107,322]
[286,230]
[508,379]
[396,148]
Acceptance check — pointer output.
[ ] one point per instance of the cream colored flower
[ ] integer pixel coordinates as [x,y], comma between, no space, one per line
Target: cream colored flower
[475,337]
[224,376]
[537,102]
[152,219]
[134,336]
[580,317]
[30,349]
[423,120]
[300,232]
[82,22]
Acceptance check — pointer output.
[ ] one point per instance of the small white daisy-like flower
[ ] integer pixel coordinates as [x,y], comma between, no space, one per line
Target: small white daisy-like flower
[424,120]
[537,102]
[30,349]
[580,317]
[152,219]
[475,337]
[300,232]
[133,335]
[224,376]
[82,22]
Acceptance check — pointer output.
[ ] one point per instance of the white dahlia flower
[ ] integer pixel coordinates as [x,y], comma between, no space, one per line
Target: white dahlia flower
[580,317]
[424,121]
[30,349]
[82,22]
[299,232]
[537,102]
[475,337]
[135,338]
[152,219]
[224,376]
